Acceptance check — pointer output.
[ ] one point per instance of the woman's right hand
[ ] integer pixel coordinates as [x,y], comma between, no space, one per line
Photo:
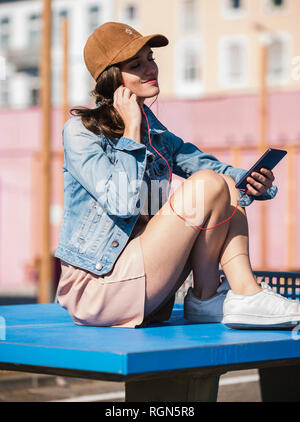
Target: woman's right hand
[125,102]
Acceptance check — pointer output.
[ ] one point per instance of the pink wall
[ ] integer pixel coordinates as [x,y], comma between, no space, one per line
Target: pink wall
[231,120]
[207,123]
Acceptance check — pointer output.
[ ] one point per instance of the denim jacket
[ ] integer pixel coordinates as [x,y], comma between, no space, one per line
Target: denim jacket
[103,187]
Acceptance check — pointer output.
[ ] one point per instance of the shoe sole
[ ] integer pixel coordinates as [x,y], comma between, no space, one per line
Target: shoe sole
[203,319]
[238,323]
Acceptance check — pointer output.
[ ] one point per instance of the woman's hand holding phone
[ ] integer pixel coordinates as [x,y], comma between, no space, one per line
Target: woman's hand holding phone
[258,183]
[260,177]
[125,102]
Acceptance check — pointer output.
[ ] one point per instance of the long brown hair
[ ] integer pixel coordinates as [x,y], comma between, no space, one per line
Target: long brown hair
[104,118]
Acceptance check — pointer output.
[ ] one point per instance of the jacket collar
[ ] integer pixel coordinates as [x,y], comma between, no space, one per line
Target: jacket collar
[155,126]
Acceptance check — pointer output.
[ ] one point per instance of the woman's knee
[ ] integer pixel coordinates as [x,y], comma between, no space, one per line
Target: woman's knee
[200,194]
[234,192]
[214,186]
[230,182]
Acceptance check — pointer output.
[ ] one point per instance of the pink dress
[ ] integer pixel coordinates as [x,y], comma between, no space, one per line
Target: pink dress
[115,299]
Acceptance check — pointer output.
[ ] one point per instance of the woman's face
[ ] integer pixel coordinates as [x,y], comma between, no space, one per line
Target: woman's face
[140,74]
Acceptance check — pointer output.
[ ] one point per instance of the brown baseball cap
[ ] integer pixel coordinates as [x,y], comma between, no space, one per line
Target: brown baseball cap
[115,42]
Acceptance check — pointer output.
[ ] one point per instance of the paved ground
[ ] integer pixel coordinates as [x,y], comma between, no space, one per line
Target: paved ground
[238,386]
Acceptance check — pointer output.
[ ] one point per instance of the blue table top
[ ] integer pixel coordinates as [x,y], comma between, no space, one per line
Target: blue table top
[45,335]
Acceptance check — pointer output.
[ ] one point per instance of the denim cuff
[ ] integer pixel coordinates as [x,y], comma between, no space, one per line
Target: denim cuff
[237,174]
[128,144]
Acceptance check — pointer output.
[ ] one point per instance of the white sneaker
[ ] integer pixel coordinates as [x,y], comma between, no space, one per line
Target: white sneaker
[205,311]
[264,309]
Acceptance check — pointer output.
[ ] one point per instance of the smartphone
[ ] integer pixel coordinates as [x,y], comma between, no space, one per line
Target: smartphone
[268,160]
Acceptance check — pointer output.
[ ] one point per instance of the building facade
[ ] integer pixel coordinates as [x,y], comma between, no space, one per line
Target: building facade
[214,45]
[209,75]
[20,48]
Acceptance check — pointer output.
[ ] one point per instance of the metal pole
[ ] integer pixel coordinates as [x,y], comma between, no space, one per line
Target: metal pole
[46,259]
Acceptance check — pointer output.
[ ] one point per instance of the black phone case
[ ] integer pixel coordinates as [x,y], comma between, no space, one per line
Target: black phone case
[268,160]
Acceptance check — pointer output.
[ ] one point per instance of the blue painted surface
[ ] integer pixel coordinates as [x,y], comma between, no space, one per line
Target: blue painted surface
[45,335]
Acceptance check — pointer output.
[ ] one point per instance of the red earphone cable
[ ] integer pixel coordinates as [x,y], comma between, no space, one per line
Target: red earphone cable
[201,228]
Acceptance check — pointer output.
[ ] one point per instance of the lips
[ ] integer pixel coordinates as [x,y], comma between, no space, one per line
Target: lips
[151,81]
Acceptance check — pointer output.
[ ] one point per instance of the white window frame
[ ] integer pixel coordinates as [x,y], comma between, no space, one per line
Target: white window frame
[5,90]
[106,11]
[38,25]
[268,7]
[100,11]
[180,18]
[57,27]
[8,31]
[287,39]
[229,13]
[182,88]
[225,81]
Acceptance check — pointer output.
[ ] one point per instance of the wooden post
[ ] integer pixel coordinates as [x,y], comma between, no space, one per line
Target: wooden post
[46,259]
[263,118]
[35,204]
[65,37]
[236,151]
[65,97]
[291,208]
[263,98]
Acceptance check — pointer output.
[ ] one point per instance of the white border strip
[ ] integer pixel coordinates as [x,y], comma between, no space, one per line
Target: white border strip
[95,397]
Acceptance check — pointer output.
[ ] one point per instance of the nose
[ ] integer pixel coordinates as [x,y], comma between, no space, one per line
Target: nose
[151,69]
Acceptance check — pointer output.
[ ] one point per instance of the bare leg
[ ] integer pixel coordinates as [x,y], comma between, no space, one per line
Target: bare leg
[167,240]
[205,254]
[234,256]
[227,244]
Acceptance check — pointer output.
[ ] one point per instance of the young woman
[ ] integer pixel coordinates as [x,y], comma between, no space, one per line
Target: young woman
[125,247]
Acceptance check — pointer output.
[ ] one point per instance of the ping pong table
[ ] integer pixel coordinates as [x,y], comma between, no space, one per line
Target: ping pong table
[172,361]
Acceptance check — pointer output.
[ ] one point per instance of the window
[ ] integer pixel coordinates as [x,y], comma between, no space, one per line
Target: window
[235,4]
[233,9]
[4,32]
[4,95]
[191,68]
[278,3]
[34,96]
[189,15]
[278,60]
[233,62]
[57,25]
[63,14]
[94,18]
[188,68]
[275,6]
[33,85]
[34,32]
[2,68]
[129,14]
